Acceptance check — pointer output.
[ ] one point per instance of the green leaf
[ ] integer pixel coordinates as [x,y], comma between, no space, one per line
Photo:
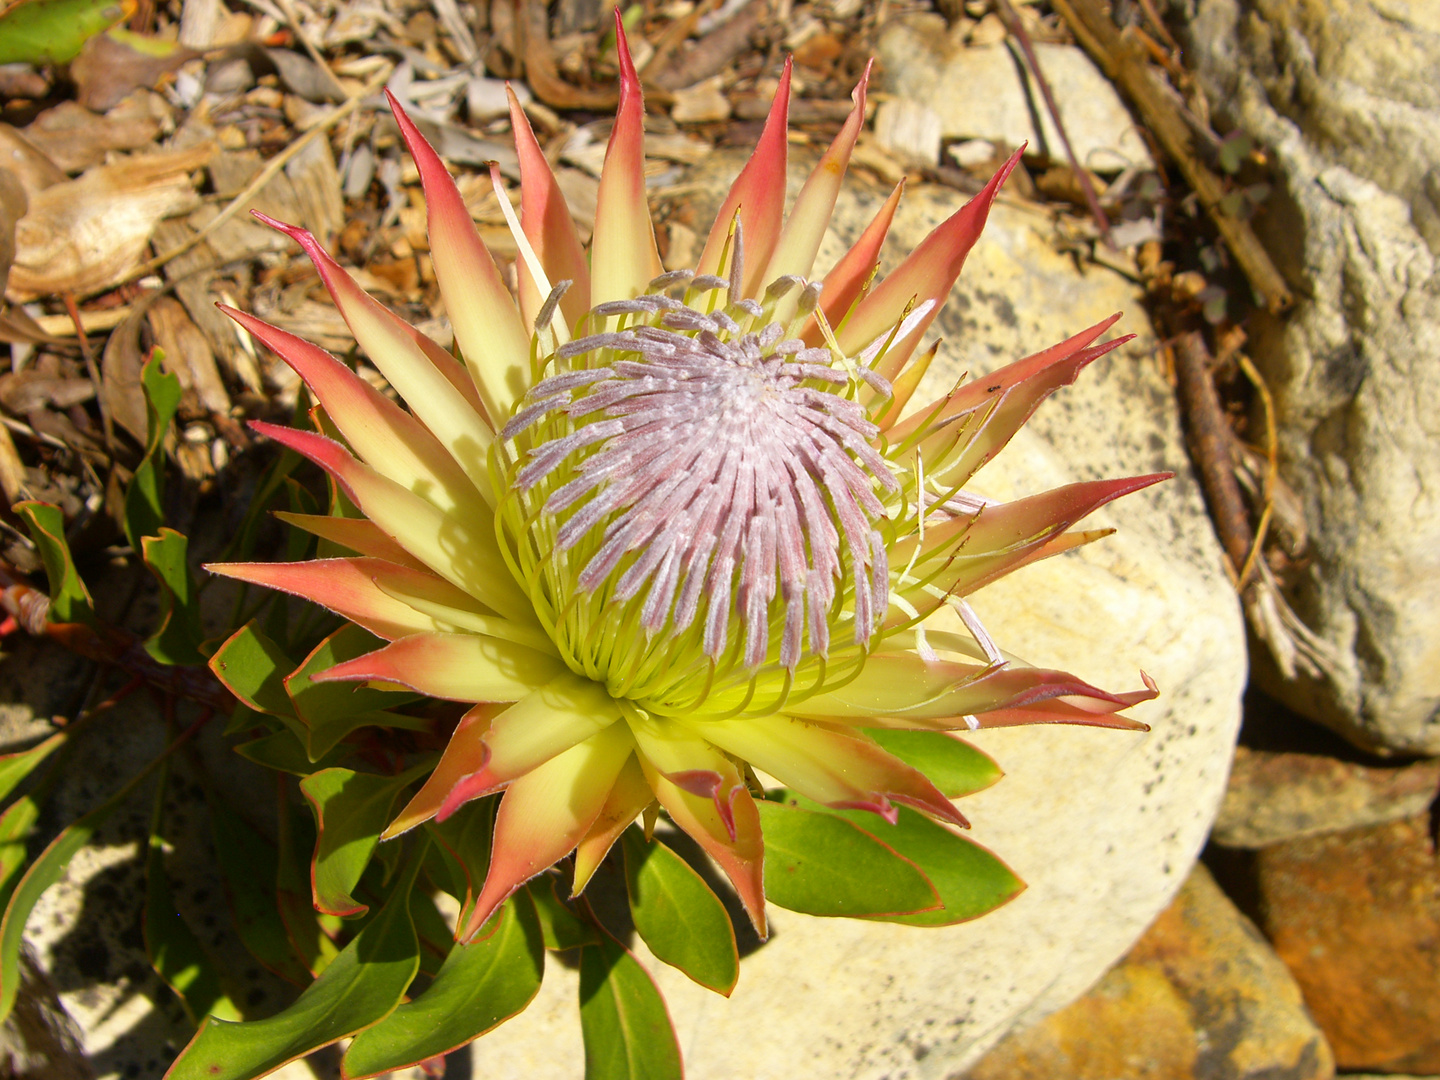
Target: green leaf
[69,599]
[170,945]
[332,710]
[253,668]
[45,871]
[177,641]
[479,986]
[820,864]
[623,1019]
[249,865]
[465,837]
[955,767]
[54,31]
[244,719]
[360,988]
[16,825]
[16,767]
[1234,149]
[560,927]
[677,915]
[436,937]
[309,931]
[283,752]
[969,879]
[351,810]
[145,497]
[18,822]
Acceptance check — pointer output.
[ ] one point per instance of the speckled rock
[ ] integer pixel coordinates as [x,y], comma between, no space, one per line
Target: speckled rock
[1344,98]
[988,92]
[1199,997]
[1103,826]
[1356,916]
[1282,796]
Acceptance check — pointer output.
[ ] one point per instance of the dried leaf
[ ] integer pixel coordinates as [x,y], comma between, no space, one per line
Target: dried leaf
[118,62]
[703,103]
[121,391]
[12,469]
[87,234]
[28,162]
[317,190]
[23,392]
[201,22]
[187,354]
[303,76]
[75,138]
[13,204]
[23,81]
[16,326]
[192,279]
[540,68]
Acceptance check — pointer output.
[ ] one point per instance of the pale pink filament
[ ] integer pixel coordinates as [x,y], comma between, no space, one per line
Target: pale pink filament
[712,453]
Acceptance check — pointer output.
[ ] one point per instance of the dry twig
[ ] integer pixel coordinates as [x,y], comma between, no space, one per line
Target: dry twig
[1123,61]
[714,50]
[108,645]
[264,176]
[1082,176]
[1209,437]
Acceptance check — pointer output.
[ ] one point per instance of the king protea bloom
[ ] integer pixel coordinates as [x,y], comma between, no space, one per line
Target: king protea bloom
[669,530]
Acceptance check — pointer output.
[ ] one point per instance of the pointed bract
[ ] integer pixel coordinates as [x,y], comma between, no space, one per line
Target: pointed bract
[493,340]
[393,347]
[704,794]
[629,796]
[623,255]
[805,227]
[840,768]
[347,587]
[456,667]
[566,711]
[846,281]
[545,813]
[905,686]
[461,549]
[758,197]
[928,273]
[385,436]
[549,227]
[360,535]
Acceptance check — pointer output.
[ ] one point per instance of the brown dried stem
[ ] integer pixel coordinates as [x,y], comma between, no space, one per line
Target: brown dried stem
[1209,436]
[1122,59]
[1013,23]
[716,49]
[108,645]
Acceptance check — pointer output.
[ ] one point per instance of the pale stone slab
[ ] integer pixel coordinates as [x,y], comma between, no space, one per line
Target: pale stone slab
[988,92]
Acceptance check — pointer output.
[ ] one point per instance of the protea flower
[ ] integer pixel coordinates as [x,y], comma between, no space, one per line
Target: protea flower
[665,530]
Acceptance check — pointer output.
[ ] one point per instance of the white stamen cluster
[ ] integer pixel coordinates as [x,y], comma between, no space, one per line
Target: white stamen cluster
[690,458]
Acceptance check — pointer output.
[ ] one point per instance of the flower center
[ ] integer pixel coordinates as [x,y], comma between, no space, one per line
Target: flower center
[693,497]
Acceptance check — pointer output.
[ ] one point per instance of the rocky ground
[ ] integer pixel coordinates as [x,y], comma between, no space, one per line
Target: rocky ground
[1255,185]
